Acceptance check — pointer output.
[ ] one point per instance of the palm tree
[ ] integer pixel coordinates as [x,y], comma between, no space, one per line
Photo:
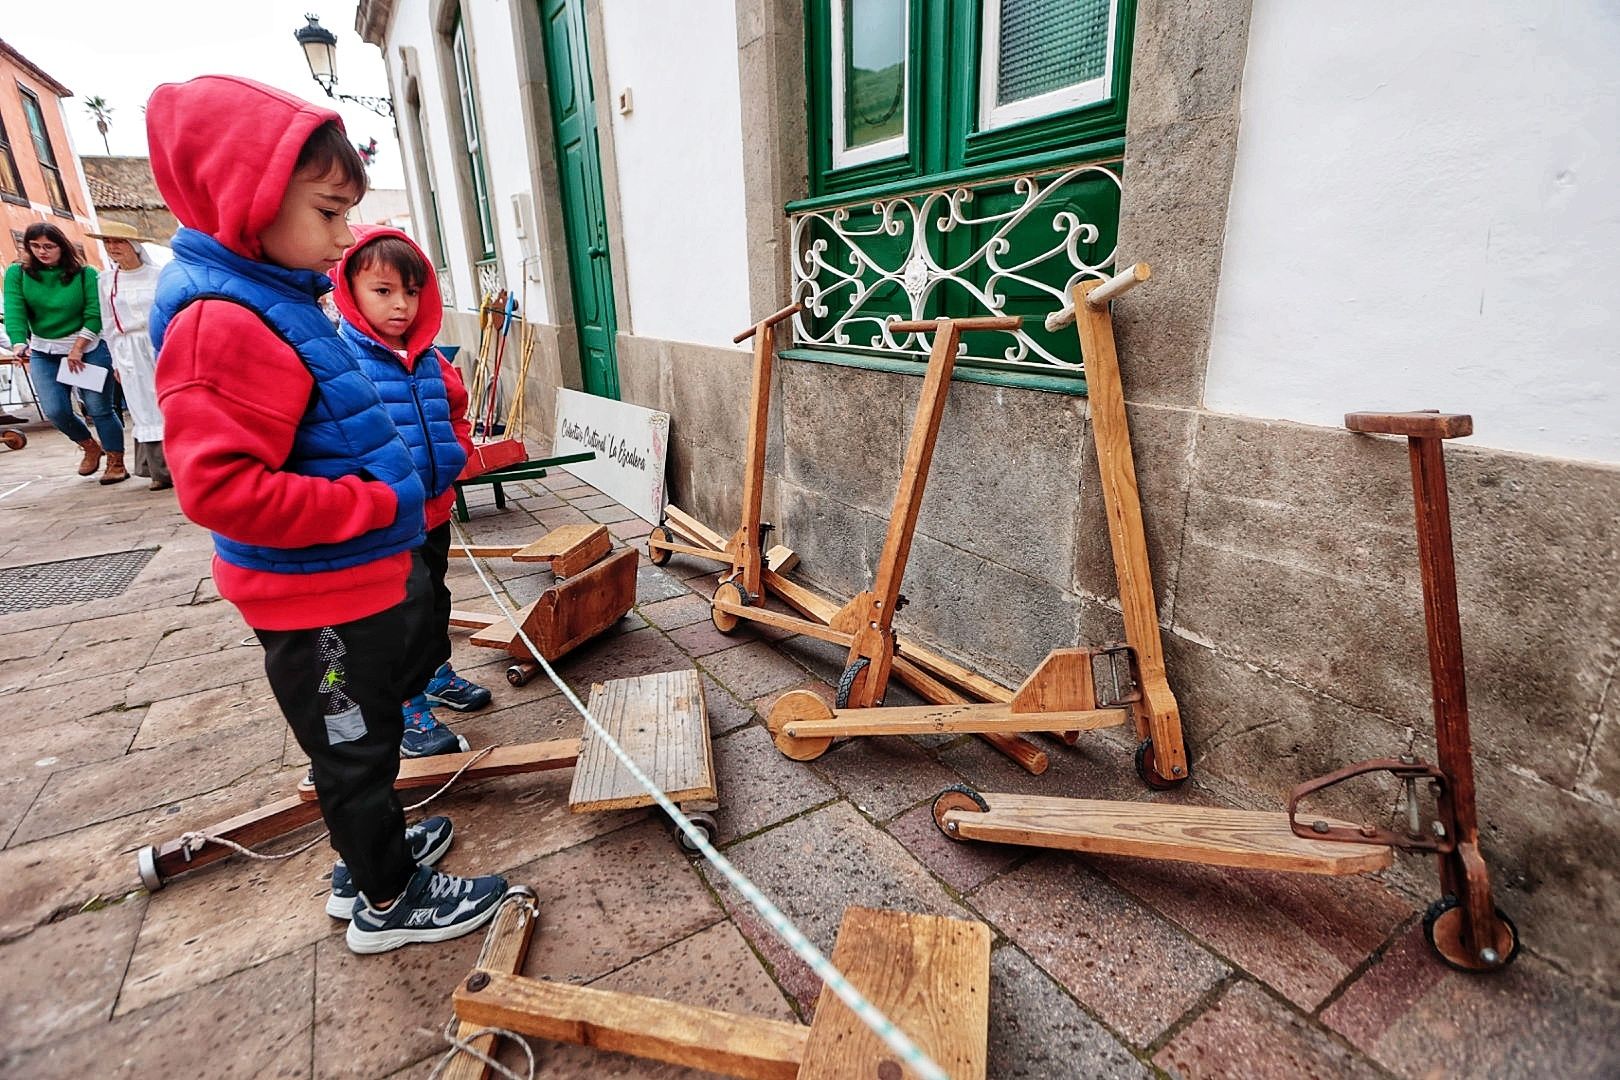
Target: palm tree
[98,108]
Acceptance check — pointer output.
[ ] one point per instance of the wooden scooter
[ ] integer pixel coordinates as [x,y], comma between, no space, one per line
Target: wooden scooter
[754,573]
[929,974]
[1464,926]
[1064,695]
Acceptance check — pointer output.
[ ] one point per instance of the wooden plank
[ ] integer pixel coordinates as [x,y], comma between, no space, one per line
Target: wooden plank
[499,761]
[1414,425]
[928,974]
[1061,681]
[559,541]
[781,559]
[1159,716]
[746,556]
[478,620]
[699,1038]
[250,830]
[767,617]
[1249,839]
[936,719]
[661,721]
[583,556]
[693,529]
[484,551]
[506,946]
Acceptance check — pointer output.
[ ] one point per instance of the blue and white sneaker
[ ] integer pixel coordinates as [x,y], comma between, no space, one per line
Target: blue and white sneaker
[427,841]
[433,907]
[453,692]
[424,735]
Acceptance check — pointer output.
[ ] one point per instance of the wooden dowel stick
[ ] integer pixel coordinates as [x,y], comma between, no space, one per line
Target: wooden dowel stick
[770,320]
[1112,289]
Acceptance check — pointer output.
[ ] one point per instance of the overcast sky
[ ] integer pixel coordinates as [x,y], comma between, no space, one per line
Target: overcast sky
[122,50]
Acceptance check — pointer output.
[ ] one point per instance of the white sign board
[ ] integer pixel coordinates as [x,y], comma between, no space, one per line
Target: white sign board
[630,444]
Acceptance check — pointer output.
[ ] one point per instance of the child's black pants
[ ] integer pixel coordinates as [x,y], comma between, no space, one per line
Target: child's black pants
[340,688]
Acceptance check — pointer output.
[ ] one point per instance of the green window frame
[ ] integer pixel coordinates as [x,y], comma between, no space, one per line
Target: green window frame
[468,98]
[34,114]
[971,123]
[11,185]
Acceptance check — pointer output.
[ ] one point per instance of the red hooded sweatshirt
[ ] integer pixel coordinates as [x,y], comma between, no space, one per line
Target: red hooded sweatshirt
[233,393]
[418,343]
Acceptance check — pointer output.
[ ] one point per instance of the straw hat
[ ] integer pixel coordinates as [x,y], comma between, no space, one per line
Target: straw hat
[117,230]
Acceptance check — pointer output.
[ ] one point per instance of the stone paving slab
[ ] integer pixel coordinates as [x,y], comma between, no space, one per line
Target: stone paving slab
[134,718]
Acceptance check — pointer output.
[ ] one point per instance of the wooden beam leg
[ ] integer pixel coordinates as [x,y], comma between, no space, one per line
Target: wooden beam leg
[506,945]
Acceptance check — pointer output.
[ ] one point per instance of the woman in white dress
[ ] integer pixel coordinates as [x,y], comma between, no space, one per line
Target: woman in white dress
[127,291]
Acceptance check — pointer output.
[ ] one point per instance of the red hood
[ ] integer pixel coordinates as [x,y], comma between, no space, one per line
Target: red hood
[429,313]
[223,150]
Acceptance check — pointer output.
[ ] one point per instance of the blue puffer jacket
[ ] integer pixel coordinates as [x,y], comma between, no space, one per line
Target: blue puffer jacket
[417,402]
[346,431]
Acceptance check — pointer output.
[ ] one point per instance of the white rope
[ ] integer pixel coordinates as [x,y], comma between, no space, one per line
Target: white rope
[192,842]
[909,1052]
[459,1045]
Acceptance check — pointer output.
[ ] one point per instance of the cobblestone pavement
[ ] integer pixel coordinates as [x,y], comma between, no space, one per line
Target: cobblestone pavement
[131,719]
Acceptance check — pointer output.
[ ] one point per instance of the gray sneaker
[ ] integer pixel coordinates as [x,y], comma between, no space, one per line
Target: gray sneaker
[428,841]
[433,907]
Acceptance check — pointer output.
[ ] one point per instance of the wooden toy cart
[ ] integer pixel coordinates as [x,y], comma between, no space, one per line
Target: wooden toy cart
[929,974]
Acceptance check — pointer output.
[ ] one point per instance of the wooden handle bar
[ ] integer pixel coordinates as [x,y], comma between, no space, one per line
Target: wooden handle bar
[1427,424]
[770,320]
[978,322]
[1115,287]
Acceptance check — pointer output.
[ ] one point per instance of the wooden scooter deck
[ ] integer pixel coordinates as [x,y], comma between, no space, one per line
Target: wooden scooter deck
[1247,839]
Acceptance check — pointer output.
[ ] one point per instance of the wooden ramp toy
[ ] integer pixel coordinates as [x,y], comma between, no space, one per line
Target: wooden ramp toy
[565,616]
[568,548]
[928,974]
[662,722]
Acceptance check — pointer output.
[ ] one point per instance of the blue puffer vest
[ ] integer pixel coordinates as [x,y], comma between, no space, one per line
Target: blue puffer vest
[346,429]
[416,400]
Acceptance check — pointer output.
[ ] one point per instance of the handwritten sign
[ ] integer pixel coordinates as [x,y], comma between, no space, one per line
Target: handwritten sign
[630,444]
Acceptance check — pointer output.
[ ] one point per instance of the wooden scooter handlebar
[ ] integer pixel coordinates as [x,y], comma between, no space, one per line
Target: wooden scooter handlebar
[978,322]
[1427,424]
[1112,289]
[770,320]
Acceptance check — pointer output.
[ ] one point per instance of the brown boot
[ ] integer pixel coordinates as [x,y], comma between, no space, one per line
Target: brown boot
[92,457]
[115,469]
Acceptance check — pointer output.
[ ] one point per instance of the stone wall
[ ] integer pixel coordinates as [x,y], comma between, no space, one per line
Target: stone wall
[1284,554]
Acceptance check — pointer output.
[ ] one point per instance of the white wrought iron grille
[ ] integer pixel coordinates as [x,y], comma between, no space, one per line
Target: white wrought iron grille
[489,277]
[858,266]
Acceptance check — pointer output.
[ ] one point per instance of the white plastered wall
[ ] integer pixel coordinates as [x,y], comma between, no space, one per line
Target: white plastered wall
[1425,213]
[506,148]
[680,179]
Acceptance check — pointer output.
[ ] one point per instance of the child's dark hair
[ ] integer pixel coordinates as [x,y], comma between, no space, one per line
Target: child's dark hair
[69,264]
[328,150]
[394,253]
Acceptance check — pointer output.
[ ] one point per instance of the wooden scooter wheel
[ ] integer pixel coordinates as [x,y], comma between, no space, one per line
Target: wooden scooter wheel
[14,439]
[798,705]
[732,593]
[960,798]
[1148,769]
[1443,926]
[656,554]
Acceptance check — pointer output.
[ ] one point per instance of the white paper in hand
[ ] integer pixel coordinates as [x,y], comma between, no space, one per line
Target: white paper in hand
[88,377]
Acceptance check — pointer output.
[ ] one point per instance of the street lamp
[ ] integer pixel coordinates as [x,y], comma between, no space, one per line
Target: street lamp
[320,51]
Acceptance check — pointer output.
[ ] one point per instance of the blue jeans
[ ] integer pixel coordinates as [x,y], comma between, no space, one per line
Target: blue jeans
[57,400]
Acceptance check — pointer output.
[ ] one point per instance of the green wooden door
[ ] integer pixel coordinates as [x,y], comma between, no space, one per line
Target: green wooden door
[579,181]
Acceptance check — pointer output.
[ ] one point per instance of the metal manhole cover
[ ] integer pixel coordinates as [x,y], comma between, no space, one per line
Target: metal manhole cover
[70,581]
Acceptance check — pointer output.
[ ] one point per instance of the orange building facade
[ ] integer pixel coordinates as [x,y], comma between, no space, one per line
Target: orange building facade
[40,178]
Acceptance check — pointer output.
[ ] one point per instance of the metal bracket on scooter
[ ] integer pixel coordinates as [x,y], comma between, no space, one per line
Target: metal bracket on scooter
[1434,838]
[1116,658]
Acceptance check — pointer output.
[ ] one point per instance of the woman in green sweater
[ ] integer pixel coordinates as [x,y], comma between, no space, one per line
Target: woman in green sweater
[53,313]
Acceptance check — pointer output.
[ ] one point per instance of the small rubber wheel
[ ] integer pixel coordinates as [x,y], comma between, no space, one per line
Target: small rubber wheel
[798,705]
[660,534]
[518,674]
[957,797]
[732,592]
[1443,926]
[1148,769]
[847,681]
[14,439]
[704,824]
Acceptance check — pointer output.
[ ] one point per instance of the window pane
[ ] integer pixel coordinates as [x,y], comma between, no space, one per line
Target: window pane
[874,70]
[1049,44]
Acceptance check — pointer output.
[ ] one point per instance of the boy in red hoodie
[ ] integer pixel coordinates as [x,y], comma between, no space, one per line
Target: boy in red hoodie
[280,445]
[388,296]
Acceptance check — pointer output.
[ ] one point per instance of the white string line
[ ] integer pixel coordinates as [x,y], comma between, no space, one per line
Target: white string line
[884,1028]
